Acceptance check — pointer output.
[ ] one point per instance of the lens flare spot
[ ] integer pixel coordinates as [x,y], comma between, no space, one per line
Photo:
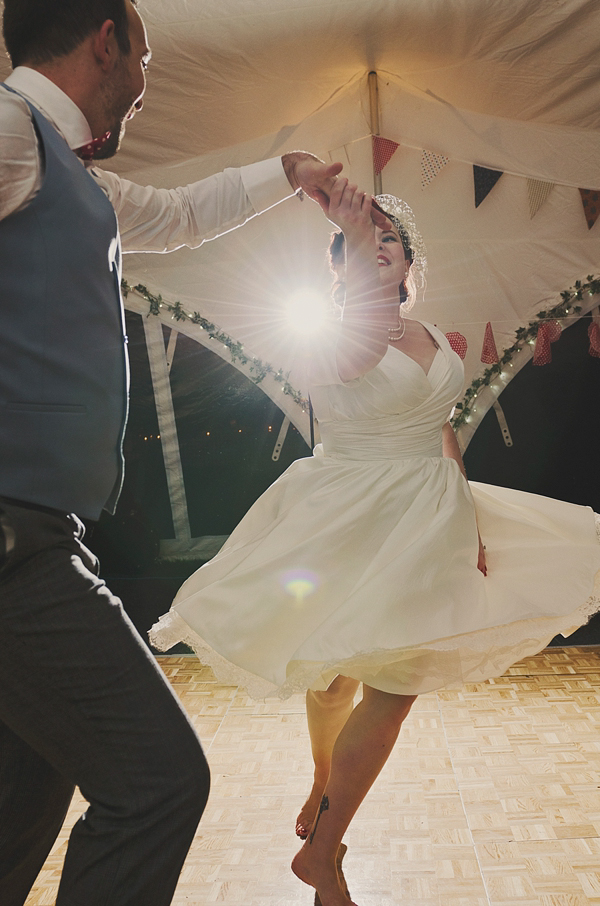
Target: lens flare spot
[306,311]
[300,584]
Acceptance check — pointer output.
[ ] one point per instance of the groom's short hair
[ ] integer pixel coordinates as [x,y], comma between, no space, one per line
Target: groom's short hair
[39,31]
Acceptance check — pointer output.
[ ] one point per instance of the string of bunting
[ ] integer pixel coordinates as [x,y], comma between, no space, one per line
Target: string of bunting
[544,323]
[484,179]
[257,368]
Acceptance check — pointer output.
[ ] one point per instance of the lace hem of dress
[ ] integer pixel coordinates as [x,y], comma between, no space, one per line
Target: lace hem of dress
[444,663]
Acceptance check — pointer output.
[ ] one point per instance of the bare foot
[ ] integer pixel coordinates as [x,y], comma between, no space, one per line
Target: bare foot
[304,821]
[322,875]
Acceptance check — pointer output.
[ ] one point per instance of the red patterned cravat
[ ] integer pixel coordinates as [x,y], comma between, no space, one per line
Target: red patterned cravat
[89,151]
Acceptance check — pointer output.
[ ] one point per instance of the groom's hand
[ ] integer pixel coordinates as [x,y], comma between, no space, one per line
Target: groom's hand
[316,178]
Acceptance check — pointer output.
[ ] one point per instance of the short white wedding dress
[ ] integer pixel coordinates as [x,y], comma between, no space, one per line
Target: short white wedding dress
[361,560]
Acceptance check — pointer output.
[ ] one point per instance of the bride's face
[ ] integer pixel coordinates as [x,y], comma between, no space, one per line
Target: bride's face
[393,266]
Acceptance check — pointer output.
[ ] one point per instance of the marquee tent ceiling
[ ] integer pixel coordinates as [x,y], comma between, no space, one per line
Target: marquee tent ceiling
[234,70]
[512,85]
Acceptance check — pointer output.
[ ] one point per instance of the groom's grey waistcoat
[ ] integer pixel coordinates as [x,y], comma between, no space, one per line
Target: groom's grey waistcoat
[63,362]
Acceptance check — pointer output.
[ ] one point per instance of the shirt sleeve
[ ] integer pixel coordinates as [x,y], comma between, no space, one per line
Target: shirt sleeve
[19,159]
[161,220]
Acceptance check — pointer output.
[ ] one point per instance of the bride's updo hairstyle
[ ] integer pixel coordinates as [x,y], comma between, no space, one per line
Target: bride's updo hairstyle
[415,252]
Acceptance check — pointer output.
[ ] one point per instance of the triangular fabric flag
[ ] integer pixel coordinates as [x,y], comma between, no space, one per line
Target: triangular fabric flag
[537,193]
[489,353]
[594,335]
[458,343]
[383,151]
[342,153]
[484,180]
[591,205]
[548,332]
[431,164]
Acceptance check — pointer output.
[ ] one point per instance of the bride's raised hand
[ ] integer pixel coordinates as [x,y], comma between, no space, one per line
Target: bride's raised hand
[350,210]
[363,338]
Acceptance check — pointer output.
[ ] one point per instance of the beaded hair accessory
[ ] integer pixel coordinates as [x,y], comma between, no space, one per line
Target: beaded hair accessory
[403,219]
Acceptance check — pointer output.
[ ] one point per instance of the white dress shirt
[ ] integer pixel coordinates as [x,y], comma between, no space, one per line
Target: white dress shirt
[151,220]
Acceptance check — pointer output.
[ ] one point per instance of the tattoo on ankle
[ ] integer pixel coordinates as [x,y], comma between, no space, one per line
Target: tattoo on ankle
[324,807]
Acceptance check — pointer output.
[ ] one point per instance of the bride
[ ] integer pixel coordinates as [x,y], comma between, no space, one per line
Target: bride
[365,562]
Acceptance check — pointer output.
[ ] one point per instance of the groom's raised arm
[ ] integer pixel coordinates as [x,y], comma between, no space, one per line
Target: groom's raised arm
[161,220]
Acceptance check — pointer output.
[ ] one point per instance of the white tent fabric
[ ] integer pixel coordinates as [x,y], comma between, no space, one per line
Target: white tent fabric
[512,85]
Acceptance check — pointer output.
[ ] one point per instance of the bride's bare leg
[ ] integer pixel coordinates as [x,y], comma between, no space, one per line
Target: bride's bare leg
[360,752]
[327,712]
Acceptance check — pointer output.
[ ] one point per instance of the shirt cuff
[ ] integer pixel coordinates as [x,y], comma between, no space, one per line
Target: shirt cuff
[265,183]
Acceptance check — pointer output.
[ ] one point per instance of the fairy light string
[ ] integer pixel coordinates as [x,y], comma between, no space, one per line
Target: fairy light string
[524,336]
[257,368]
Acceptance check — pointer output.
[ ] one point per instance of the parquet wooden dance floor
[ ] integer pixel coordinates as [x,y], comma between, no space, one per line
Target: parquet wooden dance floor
[492,796]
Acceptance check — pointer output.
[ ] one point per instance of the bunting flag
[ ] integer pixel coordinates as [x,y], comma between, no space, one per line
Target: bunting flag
[537,193]
[383,151]
[458,343]
[489,353]
[594,335]
[431,164]
[591,205]
[548,332]
[342,153]
[484,180]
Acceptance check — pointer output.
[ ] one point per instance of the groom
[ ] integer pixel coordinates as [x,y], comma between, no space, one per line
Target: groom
[82,702]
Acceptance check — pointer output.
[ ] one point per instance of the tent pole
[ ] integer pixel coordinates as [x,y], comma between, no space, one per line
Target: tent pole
[374,114]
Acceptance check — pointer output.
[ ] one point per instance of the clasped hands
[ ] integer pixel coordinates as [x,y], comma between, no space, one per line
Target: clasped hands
[318,179]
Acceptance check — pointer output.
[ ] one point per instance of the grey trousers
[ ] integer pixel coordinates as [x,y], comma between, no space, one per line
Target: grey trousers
[83,703]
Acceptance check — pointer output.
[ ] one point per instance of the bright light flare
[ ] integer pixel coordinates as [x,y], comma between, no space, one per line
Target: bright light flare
[300,583]
[306,311]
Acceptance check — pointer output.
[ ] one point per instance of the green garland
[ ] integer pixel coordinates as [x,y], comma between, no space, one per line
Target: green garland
[523,336]
[258,369]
